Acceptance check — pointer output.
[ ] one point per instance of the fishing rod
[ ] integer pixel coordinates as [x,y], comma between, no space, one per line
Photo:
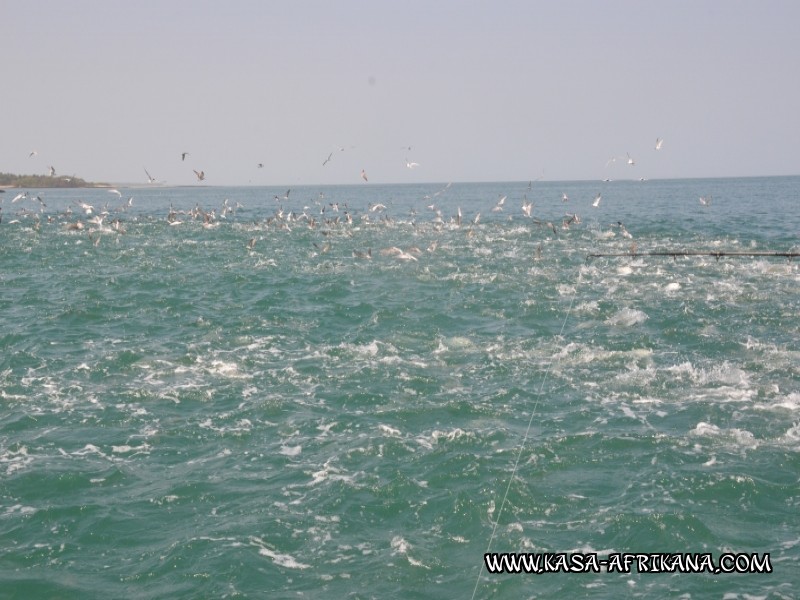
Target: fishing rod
[676,253]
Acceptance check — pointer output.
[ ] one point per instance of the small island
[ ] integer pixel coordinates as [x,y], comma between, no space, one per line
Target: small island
[9,180]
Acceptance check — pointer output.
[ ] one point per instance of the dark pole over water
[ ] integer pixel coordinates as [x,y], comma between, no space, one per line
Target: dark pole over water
[677,253]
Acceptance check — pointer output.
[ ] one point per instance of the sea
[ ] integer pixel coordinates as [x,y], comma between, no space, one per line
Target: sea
[374,391]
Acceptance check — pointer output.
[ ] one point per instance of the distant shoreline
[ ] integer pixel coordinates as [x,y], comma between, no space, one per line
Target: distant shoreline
[14,180]
[56,187]
[42,183]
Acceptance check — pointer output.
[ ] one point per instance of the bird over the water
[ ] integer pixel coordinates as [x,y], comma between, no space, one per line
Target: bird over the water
[201,175]
[364,175]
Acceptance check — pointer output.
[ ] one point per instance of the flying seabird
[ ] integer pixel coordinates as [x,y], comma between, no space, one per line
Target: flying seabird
[548,224]
[327,160]
[569,220]
[659,142]
[52,171]
[150,178]
[364,175]
[500,201]
[87,208]
[527,207]
[398,254]
[324,248]
[184,155]
[630,160]
[201,175]
[411,165]
[597,199]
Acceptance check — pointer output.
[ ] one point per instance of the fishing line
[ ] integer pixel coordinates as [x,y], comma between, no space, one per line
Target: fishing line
[528,429]
[673,254]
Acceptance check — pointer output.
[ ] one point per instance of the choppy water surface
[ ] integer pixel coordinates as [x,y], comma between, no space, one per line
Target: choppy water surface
[301,404]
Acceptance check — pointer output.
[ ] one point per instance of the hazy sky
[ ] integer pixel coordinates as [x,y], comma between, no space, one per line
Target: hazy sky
[480,91]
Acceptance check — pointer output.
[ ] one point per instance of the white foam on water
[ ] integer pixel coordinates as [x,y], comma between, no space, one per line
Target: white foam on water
[450,435]
[587,308]
[280,559]
[683,368]
[627,317]
[734,438]
[19,510]
[90,449]
[168,499]
[400,546]
[437,436]
[791,438]
[224,369]
[369,350]
[389,431]
[126,449]
[291,450]
[330,473]
[789,402]
[566,290]
[14,460]
[724,373]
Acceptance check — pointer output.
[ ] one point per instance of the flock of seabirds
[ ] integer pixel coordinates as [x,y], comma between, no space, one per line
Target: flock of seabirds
[317,214]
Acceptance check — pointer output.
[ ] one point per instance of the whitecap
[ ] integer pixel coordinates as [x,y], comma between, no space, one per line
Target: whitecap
[291,450]
[790,402]
[399,545]
[390,431]
[792,436]
[737,438]
[89,449]
[627,317]
[19,509]
[370,349]
[451,435]
[225,369]
[280,559]
[125,448]
[460,343]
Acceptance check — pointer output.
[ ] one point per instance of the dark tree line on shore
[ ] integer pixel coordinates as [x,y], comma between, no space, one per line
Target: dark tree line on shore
[43,181]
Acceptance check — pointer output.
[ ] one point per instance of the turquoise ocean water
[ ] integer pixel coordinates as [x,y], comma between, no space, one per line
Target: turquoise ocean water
[291,402]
